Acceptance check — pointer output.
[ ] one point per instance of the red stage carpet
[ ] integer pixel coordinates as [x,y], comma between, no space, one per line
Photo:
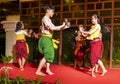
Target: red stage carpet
[66,74]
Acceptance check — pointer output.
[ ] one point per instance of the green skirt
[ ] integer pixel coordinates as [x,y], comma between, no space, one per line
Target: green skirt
[45,47]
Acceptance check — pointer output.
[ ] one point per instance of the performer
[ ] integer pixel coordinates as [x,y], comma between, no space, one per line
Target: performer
[21,47]
[96,45]
[45,44]
[79,50]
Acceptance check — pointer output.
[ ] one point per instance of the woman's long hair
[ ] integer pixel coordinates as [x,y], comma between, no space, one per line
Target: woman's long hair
[104,28]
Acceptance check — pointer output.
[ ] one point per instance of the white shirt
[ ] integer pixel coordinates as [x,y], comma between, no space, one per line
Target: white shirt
[46,22]
[21,32]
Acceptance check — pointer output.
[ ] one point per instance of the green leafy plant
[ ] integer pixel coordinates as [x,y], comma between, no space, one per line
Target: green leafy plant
[58,81]
[5,80]
[39,80]
[115,55]
[20,80]
[5,59]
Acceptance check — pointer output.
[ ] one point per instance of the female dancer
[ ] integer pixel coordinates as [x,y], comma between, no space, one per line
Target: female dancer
[21,47]
[79,50]
[96,45]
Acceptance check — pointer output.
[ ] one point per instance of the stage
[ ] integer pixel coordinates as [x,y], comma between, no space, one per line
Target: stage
[66,74]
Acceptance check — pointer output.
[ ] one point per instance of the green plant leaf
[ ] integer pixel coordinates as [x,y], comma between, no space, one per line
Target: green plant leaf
[39,80]
[5,59]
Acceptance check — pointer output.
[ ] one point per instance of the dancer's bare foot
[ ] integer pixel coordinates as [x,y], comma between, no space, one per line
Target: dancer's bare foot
[104,72]
[93,75]
[90,69]
[40,73]
[49,73]
[96,71]
[81,67]
[21,68]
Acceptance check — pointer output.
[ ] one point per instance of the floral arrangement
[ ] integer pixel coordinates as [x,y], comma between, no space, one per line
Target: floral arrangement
[6,70]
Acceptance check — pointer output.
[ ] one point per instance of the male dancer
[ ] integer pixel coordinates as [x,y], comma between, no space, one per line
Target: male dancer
[45,43]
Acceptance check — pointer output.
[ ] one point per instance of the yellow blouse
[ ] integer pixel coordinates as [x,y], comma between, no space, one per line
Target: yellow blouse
[20,37]
[96,34]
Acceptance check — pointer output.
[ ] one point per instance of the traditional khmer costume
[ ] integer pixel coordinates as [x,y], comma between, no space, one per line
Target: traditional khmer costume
[21,47]
[96,45]
[79,50]
[46,44]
